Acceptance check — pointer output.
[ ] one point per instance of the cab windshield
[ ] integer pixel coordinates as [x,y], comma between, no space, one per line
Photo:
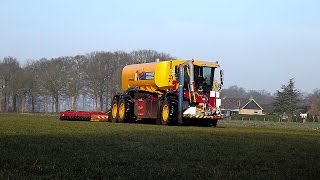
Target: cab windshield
[203,78]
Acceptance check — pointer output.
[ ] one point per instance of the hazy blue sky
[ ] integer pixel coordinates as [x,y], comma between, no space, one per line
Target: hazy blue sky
[259,43]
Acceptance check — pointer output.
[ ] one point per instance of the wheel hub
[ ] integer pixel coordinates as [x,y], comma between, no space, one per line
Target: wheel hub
[114,111]
[165,112]
[121,110]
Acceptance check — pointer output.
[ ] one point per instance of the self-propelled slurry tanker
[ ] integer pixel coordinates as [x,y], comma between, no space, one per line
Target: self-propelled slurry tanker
[170,92]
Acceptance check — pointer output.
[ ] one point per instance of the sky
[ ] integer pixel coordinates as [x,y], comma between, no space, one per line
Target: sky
[260,44]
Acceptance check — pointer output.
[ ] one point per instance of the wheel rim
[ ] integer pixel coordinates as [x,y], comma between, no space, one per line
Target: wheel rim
[122,110]
[114,110]
[165,113]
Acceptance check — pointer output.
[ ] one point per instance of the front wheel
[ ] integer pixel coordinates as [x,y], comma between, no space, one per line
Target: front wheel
[209,123]
[169,111]
[214,123]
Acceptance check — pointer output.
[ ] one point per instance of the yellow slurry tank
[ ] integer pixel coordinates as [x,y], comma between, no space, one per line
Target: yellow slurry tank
[156,75]
[149,76]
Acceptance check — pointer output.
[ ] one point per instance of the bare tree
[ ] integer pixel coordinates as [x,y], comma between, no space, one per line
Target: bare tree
[52,76]
[234,92]
[116,62]
[143,56]
[314,101]
[8,70]
[74,79]
[262,96]
[96,76]
[18,87]
[32,88]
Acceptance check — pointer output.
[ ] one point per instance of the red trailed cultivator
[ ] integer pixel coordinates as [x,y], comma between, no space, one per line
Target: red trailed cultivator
[70,115]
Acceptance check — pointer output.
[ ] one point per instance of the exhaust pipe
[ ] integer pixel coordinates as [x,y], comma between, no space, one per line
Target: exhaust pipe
[189,63]
[180,97]
[181,85]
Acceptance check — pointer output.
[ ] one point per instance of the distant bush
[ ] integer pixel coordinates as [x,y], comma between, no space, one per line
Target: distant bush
[246,117]
[269,117]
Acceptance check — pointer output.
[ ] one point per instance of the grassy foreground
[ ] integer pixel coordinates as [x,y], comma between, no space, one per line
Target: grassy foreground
[42,147]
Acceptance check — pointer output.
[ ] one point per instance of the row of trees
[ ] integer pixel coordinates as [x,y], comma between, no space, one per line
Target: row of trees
[45,85]
[261,96]
[90,81]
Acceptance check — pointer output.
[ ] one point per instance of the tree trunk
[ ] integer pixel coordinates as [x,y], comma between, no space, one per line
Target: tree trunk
[107,97]
[107,101]
[32,104]
[22,104]
[83,102]
[46,106]
[101,102]
[95,103]
[56,103]
[1,99]
[69,105]
[74,103]
[52,104]
[18,105]
[14,103]
[289,117]
[6,100]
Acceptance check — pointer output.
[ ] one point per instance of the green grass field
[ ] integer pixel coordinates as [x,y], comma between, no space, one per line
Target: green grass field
[43,147]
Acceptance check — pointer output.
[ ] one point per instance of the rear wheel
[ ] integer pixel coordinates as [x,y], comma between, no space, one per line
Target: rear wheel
[214,123]
[125,108]
[209,123]
[169,111]
[114,110]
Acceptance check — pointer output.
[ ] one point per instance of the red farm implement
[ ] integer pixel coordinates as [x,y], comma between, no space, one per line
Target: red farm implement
[70,115]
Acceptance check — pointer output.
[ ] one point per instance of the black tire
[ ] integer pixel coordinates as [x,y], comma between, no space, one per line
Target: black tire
[126,110]
[209,123]
[214,123]
[114,110]
[169,111]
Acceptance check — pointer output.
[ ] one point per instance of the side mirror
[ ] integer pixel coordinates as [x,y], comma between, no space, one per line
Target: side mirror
[221,76]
